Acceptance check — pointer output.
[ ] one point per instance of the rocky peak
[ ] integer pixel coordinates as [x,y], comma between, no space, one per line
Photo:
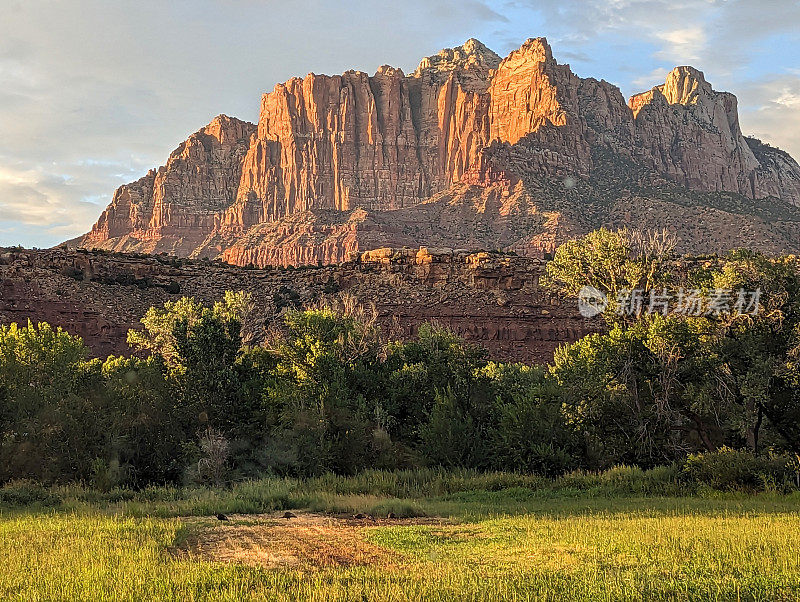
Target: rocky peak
[715,155]
[222,135]
[389,71]
[530,90]
[536,50]
[228,130]
[472,59]
[685,85]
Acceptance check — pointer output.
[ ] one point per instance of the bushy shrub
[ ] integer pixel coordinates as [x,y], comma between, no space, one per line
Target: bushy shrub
[625,480]
[26,493]
[107,474]
[731,470]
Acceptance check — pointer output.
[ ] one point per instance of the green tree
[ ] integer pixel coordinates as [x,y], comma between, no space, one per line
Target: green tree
[757,348]
[52,425]
[216,380]
[329,390]
[434,362]
[147,427]
[611,262]
[158,334]
[531,432]
[636,394]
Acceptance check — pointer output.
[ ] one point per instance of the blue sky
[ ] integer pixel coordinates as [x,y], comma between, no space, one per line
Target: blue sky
[93,93]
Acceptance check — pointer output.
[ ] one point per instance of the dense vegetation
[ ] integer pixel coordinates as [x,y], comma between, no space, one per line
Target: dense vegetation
[709,395]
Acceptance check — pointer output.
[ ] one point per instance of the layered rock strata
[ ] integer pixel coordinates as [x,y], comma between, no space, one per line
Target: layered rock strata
[489,299]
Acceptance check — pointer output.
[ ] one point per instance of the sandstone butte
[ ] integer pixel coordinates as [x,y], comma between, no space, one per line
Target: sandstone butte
[470,151]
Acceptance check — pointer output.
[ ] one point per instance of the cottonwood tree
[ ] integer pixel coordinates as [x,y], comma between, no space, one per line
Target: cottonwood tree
[48,403]
[612,262]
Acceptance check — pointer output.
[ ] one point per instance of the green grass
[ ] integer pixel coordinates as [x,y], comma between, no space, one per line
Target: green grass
[512,537]
[618,556]
[635,549]
[408,493]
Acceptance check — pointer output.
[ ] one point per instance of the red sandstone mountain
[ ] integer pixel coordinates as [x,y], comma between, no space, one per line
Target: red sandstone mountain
[468,151]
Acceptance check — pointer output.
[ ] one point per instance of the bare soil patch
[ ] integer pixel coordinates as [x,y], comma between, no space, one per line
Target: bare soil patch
[307,541]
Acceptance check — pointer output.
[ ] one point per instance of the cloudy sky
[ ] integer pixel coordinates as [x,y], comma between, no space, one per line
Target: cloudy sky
[95,92]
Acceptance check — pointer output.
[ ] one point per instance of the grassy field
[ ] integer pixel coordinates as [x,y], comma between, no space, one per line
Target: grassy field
[508,540]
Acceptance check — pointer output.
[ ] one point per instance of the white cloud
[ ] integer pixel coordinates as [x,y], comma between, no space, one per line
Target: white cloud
[683,45]
[772,112]
[41,204]
[586,20]
[655,78]
[789,98]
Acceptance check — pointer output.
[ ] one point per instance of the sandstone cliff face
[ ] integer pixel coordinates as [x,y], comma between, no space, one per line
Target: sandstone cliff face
[531,95]
[342,163]
[175,207]
[777,174]
[555,115]
[381,142]
[691,132]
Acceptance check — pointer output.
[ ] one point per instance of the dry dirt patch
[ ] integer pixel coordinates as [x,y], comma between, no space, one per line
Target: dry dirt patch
[307,541]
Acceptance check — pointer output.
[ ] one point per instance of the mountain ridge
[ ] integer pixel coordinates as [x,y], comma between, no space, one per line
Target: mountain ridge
[340,164]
